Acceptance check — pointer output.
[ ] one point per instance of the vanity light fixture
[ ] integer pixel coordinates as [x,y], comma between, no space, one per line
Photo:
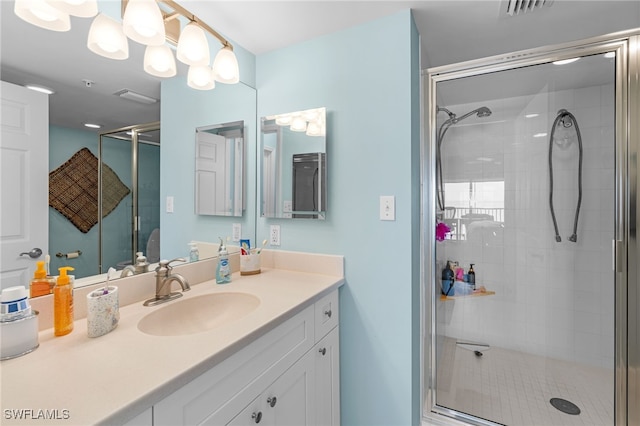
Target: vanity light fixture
[298,124]
[40,88]
[81,8]
[107,39]
[144,21]
[200,77]
[42,14]
[284,119]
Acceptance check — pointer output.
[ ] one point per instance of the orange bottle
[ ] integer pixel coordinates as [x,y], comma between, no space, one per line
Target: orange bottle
[41,284]
[63,304]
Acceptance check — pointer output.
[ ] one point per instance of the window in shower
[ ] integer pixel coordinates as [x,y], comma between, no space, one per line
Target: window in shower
[540,351]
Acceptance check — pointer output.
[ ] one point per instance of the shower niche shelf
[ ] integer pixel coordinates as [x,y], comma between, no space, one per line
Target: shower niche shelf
[465,296]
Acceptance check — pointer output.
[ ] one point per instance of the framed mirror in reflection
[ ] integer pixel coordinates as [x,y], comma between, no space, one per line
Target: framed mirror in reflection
[294,165]
[220,169]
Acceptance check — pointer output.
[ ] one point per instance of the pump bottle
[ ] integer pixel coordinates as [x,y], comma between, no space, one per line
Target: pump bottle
[472,277]
[223,270]
[63,304]
[41,284]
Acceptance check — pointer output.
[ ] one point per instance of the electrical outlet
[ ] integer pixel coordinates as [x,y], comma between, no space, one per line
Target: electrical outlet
[274,239]
[237,232]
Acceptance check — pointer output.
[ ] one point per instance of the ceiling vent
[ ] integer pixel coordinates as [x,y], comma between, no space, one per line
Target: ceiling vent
[136,97]
[516,7]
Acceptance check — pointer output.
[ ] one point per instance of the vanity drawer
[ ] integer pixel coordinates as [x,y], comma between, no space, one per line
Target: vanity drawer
[326,314]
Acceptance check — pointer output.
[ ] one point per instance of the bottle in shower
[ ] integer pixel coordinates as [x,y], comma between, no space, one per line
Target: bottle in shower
[472,277]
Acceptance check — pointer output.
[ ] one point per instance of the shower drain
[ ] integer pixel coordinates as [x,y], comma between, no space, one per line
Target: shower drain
[565,406]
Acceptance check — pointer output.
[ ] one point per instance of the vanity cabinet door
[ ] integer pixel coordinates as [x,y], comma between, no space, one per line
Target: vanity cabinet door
[288,401]
[327,379]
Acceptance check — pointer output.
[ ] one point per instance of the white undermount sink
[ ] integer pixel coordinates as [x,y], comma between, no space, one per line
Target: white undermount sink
[198,314]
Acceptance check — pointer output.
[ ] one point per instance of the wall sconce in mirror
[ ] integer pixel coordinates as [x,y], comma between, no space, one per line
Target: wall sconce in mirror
[220,169]
[294,171]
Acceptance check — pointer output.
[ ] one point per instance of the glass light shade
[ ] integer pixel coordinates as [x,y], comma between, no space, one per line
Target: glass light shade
[225,66]
[41,14]
[143,22]
[284,119]
[315,128]
[107,39]
[298,124]
[158,61]
[193,48]
[81,8]
[201,77]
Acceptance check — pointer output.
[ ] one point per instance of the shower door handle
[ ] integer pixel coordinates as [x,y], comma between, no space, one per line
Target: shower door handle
[616,255]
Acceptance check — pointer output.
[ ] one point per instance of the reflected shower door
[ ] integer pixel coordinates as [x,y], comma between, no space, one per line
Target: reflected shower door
[532,341]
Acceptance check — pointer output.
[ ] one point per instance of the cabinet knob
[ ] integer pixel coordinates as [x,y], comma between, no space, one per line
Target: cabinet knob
[257,416]
[272,401]
[328,313]
[323,351]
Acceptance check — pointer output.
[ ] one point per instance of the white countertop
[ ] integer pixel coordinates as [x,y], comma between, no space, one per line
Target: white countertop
[112,378]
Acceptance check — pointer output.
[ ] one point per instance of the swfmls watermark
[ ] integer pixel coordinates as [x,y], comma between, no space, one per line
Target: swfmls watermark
[36,414]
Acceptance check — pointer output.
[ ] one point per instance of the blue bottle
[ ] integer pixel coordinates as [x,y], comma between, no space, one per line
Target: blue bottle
[223,271]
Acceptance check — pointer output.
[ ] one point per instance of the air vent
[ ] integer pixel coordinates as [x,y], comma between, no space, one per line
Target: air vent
[136,97]
[516,7]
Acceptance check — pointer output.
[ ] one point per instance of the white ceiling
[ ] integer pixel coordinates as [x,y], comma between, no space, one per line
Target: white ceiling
[451,31]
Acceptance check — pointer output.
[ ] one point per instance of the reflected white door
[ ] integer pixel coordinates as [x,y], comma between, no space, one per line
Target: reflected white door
[24,182]
[211,174]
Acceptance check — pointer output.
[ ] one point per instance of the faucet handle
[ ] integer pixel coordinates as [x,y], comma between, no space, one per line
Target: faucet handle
[166,264]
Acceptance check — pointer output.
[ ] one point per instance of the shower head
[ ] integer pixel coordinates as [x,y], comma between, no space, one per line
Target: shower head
[480,112]
[565,120]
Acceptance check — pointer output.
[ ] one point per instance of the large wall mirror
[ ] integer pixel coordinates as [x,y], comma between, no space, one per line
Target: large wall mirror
[294,171]
[88,89]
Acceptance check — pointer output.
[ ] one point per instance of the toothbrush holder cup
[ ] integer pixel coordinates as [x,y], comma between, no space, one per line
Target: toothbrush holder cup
[250,264]
[102,311]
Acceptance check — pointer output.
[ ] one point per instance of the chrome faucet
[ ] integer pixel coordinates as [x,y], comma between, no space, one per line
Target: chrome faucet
[128,270]
[164,278]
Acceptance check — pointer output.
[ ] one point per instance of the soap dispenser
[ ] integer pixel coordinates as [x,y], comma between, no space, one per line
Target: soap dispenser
[63,303]
[194,254]
[141,265]
[41,284]
[447,278]
[223,271]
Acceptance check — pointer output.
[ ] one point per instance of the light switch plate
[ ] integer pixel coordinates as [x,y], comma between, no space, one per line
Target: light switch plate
[237,232]
[387,207]
[169,204]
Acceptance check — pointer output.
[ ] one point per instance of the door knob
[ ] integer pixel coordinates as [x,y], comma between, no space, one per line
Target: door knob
[34,253]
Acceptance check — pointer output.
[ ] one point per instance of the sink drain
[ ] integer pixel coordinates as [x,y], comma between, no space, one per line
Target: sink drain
[565,406]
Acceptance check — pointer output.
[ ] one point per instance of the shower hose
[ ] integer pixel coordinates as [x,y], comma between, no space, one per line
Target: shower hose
[562,115]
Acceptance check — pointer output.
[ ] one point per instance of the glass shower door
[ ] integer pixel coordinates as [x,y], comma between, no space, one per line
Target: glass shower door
[526,163]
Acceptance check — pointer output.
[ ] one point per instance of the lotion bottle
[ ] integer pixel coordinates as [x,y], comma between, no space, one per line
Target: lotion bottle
[63,304]
[41,284]
[223,271]
[194,254]
[472,277]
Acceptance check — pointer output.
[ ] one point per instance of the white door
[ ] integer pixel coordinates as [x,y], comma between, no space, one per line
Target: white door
[24,182]
[211,174]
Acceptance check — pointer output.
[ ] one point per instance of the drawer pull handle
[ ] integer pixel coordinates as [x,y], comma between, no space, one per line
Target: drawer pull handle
[272,401]
[323,351]
[328,313]
[257,416]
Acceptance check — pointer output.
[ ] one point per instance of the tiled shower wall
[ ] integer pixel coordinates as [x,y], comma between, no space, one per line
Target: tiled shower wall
[552,299]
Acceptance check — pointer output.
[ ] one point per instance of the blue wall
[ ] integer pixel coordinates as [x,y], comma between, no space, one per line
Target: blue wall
[183,109]
[368,78]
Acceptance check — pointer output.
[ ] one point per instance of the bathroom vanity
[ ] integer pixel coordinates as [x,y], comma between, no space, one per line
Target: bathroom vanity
[277,363]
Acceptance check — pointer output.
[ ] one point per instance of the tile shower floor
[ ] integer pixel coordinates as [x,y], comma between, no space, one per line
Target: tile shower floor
[514,388]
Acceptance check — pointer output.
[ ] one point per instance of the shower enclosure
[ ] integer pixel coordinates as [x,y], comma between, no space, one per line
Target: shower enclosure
[531,165]
[133,225]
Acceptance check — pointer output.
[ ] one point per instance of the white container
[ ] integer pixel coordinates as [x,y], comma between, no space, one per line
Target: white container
[249,264]
[102,311]
[19,337]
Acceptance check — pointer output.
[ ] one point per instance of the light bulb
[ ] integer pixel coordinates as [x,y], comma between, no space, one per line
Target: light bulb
[81,8]
[41,14]
[284,119]
[107,39]
[193,48]
[225,66]
[158,61]
[200,77]
[298,124]
[143,22]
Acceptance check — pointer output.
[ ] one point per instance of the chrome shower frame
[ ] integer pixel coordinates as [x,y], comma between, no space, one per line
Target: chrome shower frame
[626,253]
